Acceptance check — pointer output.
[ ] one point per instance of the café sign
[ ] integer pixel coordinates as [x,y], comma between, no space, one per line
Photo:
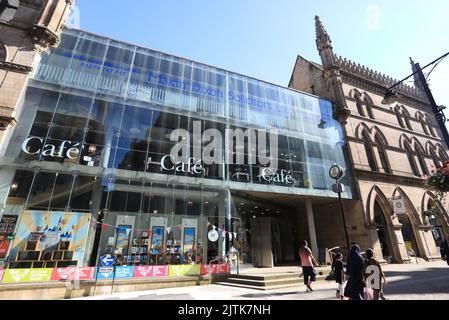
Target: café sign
[66,149]
[192,166]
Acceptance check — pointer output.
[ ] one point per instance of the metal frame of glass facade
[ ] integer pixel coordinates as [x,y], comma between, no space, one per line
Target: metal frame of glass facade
[96,121]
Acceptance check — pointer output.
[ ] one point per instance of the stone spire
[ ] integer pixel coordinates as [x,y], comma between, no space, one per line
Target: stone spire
[323,43]
[418,83]
[331,72]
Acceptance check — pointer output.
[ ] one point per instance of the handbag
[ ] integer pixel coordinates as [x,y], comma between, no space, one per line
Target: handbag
[368,293]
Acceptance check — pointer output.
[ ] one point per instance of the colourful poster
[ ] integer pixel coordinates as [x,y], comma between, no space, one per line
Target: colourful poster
[215,269]
[27,275]
[161,271]
[143,272]
[4,246]
[55,236]
[151,271]
[124,272]
[73,273]
[185,270]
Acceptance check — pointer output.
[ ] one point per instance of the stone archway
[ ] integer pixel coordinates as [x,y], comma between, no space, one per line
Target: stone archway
[383,227]
[439,218]
[412,227]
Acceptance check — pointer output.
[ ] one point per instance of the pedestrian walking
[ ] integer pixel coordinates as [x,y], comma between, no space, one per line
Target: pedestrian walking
[339,272]
[307,262]
[377,282]
[445,250]
[354,271]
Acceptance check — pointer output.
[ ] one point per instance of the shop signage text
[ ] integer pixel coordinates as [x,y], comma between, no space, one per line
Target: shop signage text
[282,176]
[66,149]
[193,166]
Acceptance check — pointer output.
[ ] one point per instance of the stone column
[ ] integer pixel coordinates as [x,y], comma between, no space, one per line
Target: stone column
[312,230]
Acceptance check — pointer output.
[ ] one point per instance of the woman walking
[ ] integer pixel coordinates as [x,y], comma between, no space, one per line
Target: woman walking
[354,271]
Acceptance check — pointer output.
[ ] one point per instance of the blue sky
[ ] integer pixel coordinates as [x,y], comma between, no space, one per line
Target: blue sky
[262,38]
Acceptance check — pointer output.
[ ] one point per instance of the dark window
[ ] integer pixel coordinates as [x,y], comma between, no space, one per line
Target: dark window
[411,160]
[359,105]
[400,120]
[369,152]
[407,120]
[82,192]
[424,127]
[422,162]
[382,154]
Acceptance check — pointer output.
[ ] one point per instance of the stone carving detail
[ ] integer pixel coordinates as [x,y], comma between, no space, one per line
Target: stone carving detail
[14,67]
[378,78]
[43,36]
[3,52]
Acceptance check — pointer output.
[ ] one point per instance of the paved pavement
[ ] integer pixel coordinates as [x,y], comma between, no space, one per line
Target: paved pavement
[425,281]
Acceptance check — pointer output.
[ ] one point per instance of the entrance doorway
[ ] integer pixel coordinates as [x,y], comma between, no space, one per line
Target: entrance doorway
[383,232]
[409,235]
[271,229]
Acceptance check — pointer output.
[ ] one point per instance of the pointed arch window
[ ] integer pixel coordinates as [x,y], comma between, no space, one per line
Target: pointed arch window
[382,154]
[369,106]
[443,155]
[421,160]
[436,161]
[359,103]
[400,120]
[406,116]
[430,126]
[369,151]
[411,160]
[424,127]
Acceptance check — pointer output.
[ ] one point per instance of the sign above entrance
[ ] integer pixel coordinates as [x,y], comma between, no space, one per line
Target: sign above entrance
[398,205]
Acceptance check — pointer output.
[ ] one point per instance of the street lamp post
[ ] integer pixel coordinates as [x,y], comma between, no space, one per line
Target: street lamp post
[336,172]
[392,97]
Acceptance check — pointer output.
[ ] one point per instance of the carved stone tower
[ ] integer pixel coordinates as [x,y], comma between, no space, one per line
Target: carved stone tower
[27,27]
[331,73]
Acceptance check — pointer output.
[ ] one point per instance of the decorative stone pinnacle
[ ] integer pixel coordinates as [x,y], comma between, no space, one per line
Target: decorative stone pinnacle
[322,38]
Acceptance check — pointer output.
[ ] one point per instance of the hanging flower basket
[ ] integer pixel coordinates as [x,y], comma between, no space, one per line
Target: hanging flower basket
[438,180]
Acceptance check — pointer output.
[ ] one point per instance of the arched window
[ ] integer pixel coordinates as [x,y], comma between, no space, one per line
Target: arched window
[382,154]
[369,151]
[411,159]
[369,103]
[406,116]
[430,126]
[421,160]
[399,116]
[443,155]
[424,127]
[420,118]
[359,103]
[436,161]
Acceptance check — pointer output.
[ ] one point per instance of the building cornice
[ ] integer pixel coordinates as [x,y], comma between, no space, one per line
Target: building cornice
[388,178]
[14,67]
[376,82]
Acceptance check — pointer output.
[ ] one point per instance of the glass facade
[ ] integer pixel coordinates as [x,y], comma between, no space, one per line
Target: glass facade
[94,138]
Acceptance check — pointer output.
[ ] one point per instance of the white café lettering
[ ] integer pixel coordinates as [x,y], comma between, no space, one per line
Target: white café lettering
[192,167]
[284,177]
[50,150]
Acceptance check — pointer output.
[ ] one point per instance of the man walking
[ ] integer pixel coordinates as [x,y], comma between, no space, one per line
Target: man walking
[307,262]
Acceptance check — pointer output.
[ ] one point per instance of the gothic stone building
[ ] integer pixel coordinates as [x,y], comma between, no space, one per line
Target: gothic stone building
[391,149]
[27,27]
